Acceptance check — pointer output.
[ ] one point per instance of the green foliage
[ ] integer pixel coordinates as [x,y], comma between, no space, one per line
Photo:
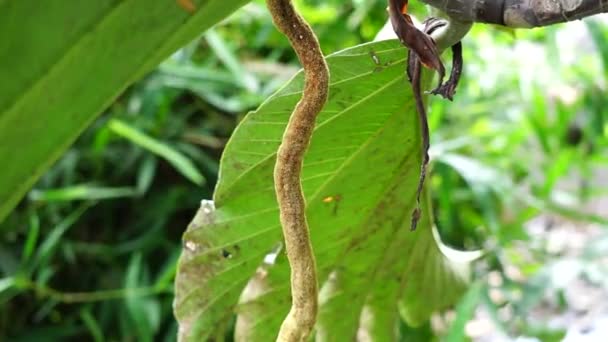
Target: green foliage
[51,97]
[360,192]
[91,251]
[180,162]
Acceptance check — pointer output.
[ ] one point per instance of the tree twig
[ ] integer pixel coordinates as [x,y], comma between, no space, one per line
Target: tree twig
[304,289]
[519,13]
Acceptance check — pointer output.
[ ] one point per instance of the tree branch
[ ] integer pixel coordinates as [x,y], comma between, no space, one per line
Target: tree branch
[519,13]
[304,289]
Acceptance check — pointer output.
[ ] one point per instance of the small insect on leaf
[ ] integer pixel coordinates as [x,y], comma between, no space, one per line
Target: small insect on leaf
[374,57]
[377,62]
[188,5]
[335,200]
[330,199]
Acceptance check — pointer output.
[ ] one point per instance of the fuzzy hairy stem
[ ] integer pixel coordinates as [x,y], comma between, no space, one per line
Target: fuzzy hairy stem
[519,13]
[304,288]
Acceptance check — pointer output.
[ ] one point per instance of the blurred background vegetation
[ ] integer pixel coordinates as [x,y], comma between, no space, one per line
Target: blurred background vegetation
[520,170]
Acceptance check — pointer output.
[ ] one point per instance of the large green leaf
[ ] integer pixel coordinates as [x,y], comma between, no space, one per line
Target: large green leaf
[64,61]
[359,179]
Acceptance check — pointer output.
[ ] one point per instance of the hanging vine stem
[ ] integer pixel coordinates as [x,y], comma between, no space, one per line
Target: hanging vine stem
[304,288]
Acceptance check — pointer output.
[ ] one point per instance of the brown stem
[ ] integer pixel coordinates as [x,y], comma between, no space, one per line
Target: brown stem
[519,13]
[301,318]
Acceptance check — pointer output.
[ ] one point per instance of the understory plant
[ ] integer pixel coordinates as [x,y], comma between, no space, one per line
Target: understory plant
[308,232]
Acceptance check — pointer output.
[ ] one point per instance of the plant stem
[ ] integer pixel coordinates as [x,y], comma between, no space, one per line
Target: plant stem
[304,288]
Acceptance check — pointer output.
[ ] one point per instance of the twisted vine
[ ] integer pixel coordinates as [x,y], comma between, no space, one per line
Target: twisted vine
[304,288]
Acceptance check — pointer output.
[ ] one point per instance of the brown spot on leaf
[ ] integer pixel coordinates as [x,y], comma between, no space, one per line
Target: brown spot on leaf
[188,5]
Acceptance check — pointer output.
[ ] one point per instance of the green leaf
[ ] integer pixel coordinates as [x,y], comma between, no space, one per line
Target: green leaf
[32,238]
[143,312]
[6,283]
[230,60]
[464,312]
[179,161]
[92,325]
[48,246]
[359,179]
[64,62]
[81,192]
[441,280]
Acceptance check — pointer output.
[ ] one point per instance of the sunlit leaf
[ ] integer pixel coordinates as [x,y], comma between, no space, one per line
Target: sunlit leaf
[179,161]
[81,192]
[6,283]
[465,312]
[359,179]
[63,62]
